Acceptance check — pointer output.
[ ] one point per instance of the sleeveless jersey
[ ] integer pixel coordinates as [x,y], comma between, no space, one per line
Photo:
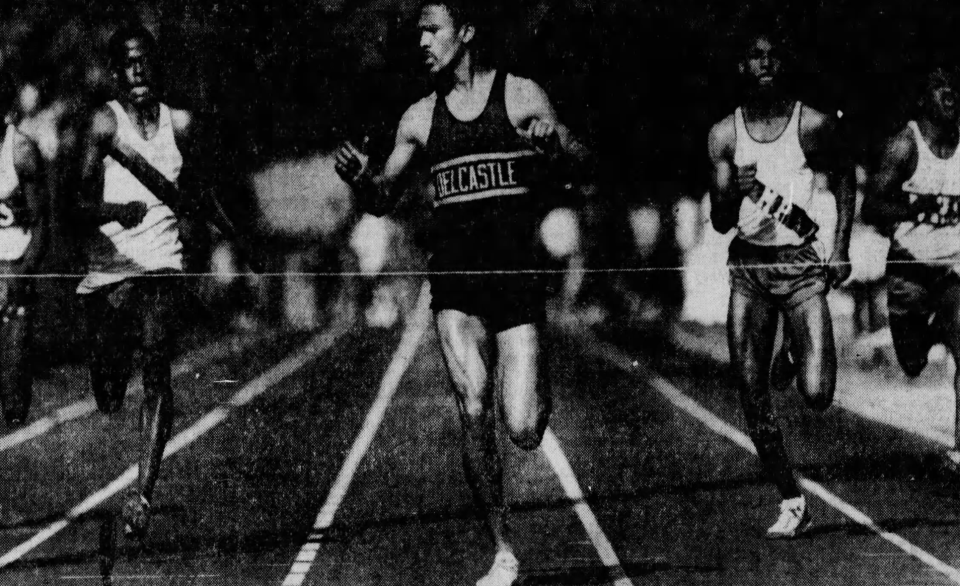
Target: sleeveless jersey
[782,168]
[481,169]
[154,244]
[14,216]
[933,177]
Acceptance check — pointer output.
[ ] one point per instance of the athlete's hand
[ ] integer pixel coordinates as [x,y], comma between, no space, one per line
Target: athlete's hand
[351,164]
[838,268]
[131,214]
[747,182]
[543,136]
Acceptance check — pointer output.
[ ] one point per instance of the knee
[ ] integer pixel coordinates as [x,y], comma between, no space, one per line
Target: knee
[820,399]
[526,434]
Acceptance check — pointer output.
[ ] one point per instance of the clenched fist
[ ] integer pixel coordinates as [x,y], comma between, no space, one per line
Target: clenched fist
[543,136]
[747,183]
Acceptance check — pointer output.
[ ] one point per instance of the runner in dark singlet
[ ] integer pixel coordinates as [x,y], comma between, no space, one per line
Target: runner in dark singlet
[485,134]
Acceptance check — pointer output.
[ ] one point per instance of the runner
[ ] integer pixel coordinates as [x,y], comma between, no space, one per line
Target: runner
[132,293]
[24,221]
[914,197]
[764,156]
[485,133]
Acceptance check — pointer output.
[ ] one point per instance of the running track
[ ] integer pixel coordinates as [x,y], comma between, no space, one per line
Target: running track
[334,459]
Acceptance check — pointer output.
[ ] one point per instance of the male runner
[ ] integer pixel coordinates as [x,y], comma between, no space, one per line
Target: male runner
[132,295]
[23,238]
[913,196]
[483,132]
[763,157]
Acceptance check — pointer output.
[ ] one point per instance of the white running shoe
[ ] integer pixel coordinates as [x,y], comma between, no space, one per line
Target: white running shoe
[504,571]
[794,519]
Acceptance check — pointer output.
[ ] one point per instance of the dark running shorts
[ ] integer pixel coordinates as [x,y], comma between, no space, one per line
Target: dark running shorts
[493,272]
[784,276]
[914,294]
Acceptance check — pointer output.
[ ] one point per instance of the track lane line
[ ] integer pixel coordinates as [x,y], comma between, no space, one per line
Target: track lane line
[193,359]
[258,386]
[568,480]
[614,355]
[402,357]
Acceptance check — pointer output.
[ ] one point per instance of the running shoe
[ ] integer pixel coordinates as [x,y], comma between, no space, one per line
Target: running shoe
[504,571]
[136,516]
[794,519]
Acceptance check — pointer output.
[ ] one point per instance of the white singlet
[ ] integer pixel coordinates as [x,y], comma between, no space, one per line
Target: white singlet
[936,177]
[154,244]
[782,168]
[14,236]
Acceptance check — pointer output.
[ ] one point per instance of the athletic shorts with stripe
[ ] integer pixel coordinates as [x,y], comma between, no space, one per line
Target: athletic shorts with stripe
[784,276]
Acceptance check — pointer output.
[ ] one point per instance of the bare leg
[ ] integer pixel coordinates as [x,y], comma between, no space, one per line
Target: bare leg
[465,342]
[949,314]
[811,332]
[522,385]
[751,330]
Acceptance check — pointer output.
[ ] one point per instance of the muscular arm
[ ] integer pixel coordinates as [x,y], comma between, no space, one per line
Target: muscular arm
[724,197]
[376,193]
[29,165]
[527,103]
[828,152]
[98,141]
[883,204]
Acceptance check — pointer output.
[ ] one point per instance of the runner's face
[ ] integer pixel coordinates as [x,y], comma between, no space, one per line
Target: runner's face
[135,71]
[942,98]
[762,63]
[441,41]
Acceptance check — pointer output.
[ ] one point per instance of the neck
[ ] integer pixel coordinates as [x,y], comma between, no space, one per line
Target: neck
[463,75]
[767,105]
[143,112]
[939,134]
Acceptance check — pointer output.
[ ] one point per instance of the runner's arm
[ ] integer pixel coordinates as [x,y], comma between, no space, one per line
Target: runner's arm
[724,195]
[376,193]
[534,117]
[828,152]
[883,203]
[98,140]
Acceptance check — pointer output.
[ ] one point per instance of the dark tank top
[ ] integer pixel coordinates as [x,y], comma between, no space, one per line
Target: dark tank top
[485,179]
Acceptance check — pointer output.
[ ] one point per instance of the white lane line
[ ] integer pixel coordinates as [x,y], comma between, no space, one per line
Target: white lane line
[884,414]
[561,466]
[714,423]
[78,409]
[315,347]
[402,358]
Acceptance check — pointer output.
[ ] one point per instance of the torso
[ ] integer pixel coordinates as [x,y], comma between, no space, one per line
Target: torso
[933,177]
[153,245]
[782,167]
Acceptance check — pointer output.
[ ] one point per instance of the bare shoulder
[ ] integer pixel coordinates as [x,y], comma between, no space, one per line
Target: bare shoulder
[181,120]
[722,138]
[103,123]
[523,90]
[416,121]
[26,153]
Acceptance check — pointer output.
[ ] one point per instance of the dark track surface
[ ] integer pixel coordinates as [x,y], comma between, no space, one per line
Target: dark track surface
[679,503]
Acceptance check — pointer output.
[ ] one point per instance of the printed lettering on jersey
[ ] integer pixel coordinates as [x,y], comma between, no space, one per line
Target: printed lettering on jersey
[787,213]
[482,176]
[935,210]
